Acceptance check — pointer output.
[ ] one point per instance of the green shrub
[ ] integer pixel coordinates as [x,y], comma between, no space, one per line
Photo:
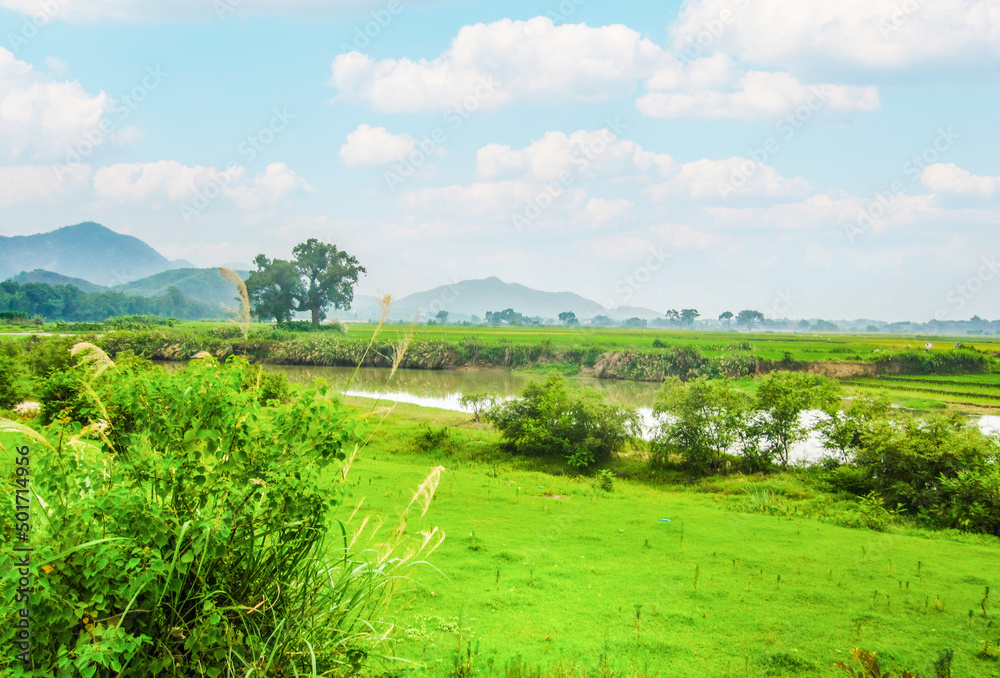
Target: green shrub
[61,396]
[705,418]
[12,387]
[188,534]
[578,427]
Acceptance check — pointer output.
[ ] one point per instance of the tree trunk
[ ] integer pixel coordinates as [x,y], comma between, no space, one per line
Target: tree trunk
[315,314]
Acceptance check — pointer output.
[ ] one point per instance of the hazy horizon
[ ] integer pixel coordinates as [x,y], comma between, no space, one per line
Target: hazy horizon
[833,163]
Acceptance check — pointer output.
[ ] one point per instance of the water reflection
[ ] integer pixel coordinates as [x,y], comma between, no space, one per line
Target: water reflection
[450,385]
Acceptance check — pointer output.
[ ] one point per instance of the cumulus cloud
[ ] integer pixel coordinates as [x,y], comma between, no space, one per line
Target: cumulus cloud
[39,183]
[601,213]
[566,158]
[535,61]
[42,118]
[714,88]
[369,145]
[597,153]
[950,178]
[168,182]
[531,60]
[732,177]
[867,34]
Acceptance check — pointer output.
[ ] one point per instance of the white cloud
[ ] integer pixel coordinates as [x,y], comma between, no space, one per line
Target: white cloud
[276,184]
[39,183]
[599,153]
[951,178]
[369,145]
[158,184]
[732,177]
[530,60]
[564,159]
[603,213]
[536,61]
[871,34]
[41,118]
[714,88]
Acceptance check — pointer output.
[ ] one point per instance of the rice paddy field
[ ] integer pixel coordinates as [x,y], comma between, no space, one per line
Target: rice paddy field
[767,345]
[969,391]
[545,575]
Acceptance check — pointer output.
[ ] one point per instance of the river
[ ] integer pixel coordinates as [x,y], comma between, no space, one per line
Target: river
[443,389]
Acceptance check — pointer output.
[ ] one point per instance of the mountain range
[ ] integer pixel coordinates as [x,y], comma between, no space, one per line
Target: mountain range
[95,258]
[87,251]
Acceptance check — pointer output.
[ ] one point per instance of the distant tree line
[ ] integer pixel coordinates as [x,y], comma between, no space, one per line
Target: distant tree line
[68,303]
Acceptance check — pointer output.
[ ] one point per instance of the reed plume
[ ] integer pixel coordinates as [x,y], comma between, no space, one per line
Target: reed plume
[243,311]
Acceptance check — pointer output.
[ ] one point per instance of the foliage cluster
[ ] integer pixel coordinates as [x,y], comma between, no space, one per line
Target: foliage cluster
[69,303]
[575,426]
[187,529]
[318,277]
[706,421]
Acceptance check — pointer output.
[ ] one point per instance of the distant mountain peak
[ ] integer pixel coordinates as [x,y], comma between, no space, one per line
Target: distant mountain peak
[88,250]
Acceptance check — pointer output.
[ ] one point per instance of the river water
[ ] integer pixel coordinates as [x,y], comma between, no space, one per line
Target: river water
[443,389]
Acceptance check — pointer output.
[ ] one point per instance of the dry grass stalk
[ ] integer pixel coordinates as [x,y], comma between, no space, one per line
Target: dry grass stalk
[243,312]
[93,358]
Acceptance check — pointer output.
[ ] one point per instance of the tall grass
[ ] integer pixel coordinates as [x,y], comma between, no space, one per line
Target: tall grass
[187,530]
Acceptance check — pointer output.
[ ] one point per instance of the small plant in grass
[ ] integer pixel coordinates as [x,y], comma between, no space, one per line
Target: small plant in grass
[605,480]
[868,666]
[942,665]
[479,403]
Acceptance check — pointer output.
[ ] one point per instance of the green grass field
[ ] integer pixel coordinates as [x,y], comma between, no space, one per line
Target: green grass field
[543,575]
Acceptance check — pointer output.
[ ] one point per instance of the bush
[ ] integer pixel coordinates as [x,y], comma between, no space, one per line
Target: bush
[550,421]
[943,468]
[11,375]
[188,534]
[61,397]
[705,418]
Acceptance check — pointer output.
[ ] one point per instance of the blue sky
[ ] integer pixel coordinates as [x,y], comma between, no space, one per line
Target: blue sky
[804,160]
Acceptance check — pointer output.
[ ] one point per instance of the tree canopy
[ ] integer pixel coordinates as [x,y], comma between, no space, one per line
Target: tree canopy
[749,318]
[318,277]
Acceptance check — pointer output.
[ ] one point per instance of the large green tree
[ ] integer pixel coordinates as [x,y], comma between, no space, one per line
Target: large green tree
[318,277]
[274,289]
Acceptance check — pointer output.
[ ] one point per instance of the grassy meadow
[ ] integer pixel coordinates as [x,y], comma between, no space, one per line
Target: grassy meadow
[546,575]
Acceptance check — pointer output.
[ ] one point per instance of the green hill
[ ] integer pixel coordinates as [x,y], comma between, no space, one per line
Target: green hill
[199,284]
[49,278]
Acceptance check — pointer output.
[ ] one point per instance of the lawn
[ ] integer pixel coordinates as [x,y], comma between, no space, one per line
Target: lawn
[543,574]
